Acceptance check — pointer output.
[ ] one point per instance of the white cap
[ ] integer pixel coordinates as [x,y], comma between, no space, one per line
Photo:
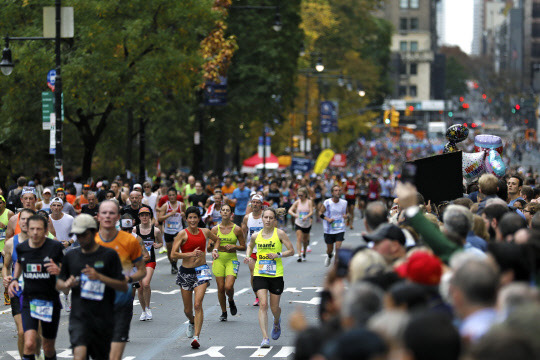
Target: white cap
[82,223]
[47,191]
[137,186]
[57,200]
[257,197]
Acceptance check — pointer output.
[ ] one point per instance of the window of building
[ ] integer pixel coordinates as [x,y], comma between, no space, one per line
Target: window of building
[412,90]
[402,91]
[404,4]
[414,24]
[414,4]
[402,68]
[413,70]
[403,24]
[402,46]
[414,45]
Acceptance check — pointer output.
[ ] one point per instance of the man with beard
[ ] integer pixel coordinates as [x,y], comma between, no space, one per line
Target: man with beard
[135,199]
[492,215]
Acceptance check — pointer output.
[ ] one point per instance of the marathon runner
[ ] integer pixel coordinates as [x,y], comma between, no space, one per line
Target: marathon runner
[171,213]
[334,211]
[28,200]
[10,259]
[302,211]
[350,189]
[81,199]
[5,215]
[194,274]
[212,217]
[268,274]
[38,261]
[252,224]
[151,237]
[130,253]
[225,267]
[93,273]
[92,207]
[45,203]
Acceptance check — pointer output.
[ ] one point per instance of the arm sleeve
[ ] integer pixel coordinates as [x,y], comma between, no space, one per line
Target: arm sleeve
[432,236]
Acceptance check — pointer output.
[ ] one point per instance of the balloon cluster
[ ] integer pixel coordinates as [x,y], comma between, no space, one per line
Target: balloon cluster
[486,158]
[455,134]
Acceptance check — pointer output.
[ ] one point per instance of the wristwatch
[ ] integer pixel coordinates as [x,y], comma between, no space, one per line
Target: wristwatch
[278,254]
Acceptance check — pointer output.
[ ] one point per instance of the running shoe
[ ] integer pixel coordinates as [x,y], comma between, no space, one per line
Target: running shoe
[304,257]
[308,248]
[327,261]
[233,308]
[276,330]
[148,314]
[7,300]
[163,250]
[143,316]
[190,330]
[299,259]
[174,269]
[195,343]
[265,343]
[256,303]
[223,316]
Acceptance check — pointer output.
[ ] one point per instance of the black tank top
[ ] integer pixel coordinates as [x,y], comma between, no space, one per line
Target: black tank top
[274,195]
[148,241]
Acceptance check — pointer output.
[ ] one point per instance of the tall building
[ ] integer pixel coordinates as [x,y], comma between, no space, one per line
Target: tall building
[478,27]
[441,23]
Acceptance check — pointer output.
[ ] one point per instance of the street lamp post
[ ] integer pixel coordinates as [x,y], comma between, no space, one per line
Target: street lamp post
[319,67]
[6,66]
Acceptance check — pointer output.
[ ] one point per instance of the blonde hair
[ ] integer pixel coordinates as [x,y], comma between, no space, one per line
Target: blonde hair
[479,227]
[488,184]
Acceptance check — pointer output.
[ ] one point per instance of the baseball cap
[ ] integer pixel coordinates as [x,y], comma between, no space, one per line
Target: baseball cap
[252,193]
[386,231]
[422,268]
[99,184]
[47,191]
[137,186]
[144,209]
[28,190]
[82,223]
[257,197]
[57,200]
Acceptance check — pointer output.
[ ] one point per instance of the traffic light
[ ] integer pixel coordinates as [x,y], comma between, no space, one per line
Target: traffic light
[295,143]
[409,110]
[386,117]
[465,106]
[450,114]
[394,118]
[309,128]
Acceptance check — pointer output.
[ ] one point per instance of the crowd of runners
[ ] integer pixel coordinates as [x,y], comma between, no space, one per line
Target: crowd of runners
[440,274]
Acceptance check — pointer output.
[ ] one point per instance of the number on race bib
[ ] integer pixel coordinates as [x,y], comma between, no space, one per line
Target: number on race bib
[267,267]
[41,310]
[236,266]
[91,289]
[203,273]
[337,225]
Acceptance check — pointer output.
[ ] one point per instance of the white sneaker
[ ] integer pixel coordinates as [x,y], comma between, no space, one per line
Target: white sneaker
[308,248]
[190,330]
[143,316]
[327,261]
[148,314]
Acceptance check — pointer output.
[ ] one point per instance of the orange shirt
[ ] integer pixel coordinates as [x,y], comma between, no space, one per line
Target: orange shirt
[82,200]
[71,198]
[127,247]
[227,190]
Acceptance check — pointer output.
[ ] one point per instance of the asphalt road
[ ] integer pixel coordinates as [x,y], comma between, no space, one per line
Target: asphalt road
[164,337]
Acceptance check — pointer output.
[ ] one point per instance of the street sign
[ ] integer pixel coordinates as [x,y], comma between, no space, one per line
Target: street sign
[52,134]
[51,79]
[329,116]
[216,93]
[301,164]
[47,108]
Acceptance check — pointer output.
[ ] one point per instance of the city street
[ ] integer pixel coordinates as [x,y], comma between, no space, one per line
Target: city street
[238,338]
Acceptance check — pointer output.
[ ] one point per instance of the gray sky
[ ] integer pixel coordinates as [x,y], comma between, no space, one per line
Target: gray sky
[459,24]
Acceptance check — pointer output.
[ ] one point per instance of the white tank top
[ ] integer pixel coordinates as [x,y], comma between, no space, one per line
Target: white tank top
[46,207]
[253,225]
[336,212]
[173,224]
[303,210]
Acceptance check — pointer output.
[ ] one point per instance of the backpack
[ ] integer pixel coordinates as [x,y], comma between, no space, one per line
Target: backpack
[14,200]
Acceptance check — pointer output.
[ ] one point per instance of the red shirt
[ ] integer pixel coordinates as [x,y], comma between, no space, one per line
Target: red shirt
[350,190]
[194,242]
[165,198]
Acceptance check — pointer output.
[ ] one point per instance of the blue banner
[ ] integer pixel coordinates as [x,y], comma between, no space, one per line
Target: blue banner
[329,116]
[301,164]
[216,94]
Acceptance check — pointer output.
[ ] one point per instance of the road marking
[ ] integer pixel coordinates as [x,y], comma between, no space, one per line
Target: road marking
[60,353]
[259,352]
[316,288]
[5,311]
[162,258]
[314,301]
[292,290]
[241,291]
[14,354]
[285,352]
[212,351]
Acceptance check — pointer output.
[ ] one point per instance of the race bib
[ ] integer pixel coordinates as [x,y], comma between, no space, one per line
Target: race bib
[236,266]
[91,289]
[2,234]
[41,310]
[337,225]
[149,245]
[267,267]
[203,273]
[350,192]
[302,215]
[253,230]
[372,195]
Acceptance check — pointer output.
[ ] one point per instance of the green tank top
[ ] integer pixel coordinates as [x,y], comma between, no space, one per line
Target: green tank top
[4,220]
[225,239]
[264,266]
